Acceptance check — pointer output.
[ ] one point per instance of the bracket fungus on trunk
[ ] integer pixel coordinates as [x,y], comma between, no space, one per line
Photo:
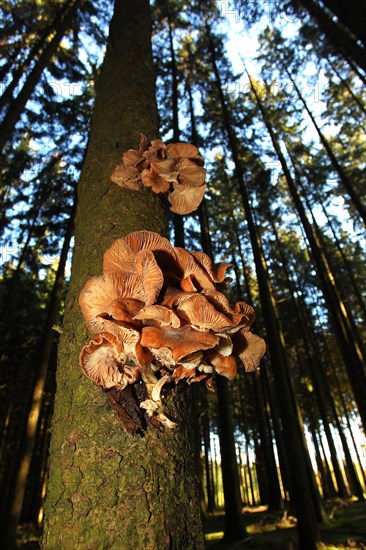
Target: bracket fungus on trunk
[176,169]
[158,317]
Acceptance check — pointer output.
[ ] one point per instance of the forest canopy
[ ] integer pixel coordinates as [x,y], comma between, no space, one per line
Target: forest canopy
[272,96]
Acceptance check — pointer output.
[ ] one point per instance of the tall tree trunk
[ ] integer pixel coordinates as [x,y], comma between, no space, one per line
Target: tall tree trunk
[328,488]
[202,209]
[17,105]
[347,86]
[210,489]
[40,44]
[336,34]
[348,346]
[352,15]
[274,489]
[11,58]
[178,221]
[321,389]
[293,435]
[346,262]
[345,414]
[234,525]
[37,399]
[337,167]
[107,489]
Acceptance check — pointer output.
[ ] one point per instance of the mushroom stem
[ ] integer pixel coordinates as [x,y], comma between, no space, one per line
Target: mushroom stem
[148,376]
[153,405]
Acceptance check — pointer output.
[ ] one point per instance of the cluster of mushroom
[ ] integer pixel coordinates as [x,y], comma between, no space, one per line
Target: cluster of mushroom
[176,169]
[158,317]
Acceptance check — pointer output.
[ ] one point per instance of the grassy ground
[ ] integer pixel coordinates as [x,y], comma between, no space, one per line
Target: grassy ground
[346,528]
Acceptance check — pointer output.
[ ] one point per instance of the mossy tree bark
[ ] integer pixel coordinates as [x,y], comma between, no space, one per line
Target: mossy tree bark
[107,489]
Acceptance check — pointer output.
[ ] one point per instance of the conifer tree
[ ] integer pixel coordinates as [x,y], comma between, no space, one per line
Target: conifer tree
[106,488]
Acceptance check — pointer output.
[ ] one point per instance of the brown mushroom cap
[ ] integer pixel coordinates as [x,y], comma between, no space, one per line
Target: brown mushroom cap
[181,341]
[181,149]
[152,278]
[241,315]
[124,311]
[156,150]
[104,361]
[190,271]
[164,167]
[158,308]
[127,177]
[250,348]
[190,173]
[160,167]
[217,272]
[159,316]
[224,365]
[185,199]
[131,157]
[159,183]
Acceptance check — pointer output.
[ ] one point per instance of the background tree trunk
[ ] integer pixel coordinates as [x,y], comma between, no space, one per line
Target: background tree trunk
[16,107]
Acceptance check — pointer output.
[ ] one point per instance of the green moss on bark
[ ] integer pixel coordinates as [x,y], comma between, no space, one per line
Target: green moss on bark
[106,489]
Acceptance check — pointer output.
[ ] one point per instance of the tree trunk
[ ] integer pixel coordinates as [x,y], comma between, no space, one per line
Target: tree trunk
[355,287]
[300,475]
[178,221]
[328,488]
[352,15]
[335,34]
[294,438]
[338,168]
[351,352]
[40,44]
[347,86]
[17,106]
[274,490]
[36,404]
[210,488]
[274,498]
[107,489]
[234,524]
[202,209]
[315,368]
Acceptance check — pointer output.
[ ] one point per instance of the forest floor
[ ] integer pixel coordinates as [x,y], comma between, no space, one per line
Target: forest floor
[345,528]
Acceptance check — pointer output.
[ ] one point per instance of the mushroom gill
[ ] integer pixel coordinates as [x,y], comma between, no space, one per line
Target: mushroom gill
[158,316]
[185,199]
[99,296]
[104,361]
[200,313]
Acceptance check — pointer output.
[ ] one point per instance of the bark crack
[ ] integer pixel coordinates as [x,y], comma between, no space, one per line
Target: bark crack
[145,487]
